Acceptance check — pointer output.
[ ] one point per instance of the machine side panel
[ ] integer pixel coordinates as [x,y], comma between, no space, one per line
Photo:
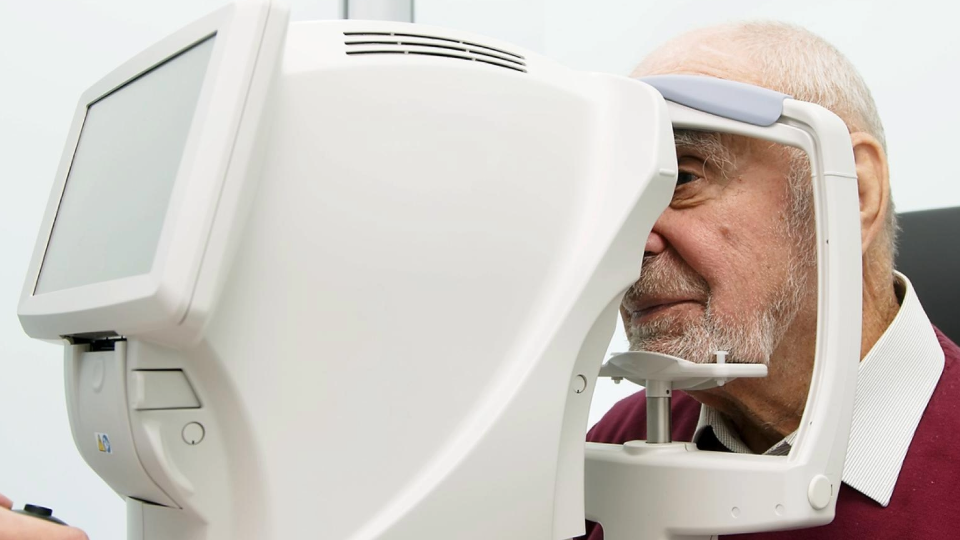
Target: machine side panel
[404,269]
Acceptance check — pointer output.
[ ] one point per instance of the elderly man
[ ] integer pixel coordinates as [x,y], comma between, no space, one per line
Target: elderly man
[731,265]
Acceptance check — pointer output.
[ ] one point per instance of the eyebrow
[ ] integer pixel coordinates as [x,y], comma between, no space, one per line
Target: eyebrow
[708,145]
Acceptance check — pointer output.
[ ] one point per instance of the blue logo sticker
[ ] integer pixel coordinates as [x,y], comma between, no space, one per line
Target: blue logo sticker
[103,443]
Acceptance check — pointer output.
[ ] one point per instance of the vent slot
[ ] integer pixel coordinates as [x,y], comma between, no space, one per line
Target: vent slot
[359,43]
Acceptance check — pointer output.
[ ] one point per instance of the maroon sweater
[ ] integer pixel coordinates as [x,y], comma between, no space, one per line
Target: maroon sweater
[925,502]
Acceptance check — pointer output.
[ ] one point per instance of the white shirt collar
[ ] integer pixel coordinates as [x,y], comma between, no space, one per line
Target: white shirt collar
[894,384]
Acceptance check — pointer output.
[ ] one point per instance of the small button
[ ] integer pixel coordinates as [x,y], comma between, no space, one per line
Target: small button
[820,492]
[37,510]
[193,433]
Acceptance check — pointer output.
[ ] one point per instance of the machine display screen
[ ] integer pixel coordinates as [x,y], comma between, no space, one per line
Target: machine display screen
[118,188]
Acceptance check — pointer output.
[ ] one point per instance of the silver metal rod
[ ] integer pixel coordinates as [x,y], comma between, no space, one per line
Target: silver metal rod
[659,429]
[379,10]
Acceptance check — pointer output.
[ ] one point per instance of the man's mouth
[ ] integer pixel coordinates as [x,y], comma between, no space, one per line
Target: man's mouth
[661,307]
[649,309]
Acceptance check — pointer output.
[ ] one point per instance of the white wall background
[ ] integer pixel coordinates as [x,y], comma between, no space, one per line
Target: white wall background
[52,50]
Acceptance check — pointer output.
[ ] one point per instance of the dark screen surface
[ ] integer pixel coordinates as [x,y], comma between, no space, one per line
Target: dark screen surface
[929,255]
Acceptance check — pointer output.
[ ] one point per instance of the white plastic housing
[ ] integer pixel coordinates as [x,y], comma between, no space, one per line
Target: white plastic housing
[401,336]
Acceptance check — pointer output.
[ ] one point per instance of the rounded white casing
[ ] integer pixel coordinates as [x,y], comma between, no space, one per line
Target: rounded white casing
[437,250]
[405,289]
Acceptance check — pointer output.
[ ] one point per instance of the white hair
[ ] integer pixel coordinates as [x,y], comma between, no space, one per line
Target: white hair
[795,61]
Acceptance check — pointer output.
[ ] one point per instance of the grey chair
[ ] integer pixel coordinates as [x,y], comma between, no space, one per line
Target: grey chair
[929,254]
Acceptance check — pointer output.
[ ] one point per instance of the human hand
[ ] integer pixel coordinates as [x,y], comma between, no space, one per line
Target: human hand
[20,527]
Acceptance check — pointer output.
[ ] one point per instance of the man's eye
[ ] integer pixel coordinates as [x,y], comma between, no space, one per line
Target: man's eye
[686,177]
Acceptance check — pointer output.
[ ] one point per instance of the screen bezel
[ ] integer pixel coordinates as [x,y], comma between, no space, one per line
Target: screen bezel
[160,298]
[52,268]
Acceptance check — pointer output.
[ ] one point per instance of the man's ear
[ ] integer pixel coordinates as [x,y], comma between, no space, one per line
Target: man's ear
[873,185]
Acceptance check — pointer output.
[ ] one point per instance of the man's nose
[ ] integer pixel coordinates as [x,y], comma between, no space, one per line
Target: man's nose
[655,244]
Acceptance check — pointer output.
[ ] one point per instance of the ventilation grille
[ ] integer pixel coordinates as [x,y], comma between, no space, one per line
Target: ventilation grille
[359,43]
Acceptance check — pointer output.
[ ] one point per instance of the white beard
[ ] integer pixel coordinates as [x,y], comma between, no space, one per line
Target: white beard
[747,337]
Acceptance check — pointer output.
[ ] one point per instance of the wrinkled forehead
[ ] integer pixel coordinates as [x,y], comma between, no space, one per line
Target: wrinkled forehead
[702,142]
[728,151]
[712,142]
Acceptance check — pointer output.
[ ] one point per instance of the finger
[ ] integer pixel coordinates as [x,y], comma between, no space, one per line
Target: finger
[19,527]
[5,502]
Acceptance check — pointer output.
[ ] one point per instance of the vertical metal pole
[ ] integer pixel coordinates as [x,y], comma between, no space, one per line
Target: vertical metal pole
[659,428]
[379,10]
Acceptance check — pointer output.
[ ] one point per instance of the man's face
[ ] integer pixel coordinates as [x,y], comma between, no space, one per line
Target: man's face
[727,264]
